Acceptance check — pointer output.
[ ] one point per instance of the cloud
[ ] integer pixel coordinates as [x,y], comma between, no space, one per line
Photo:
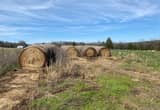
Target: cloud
[16,31]
[91,11]
[81,11]
[24,8]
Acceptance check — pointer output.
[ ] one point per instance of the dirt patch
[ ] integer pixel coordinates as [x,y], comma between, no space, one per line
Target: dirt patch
[17,87]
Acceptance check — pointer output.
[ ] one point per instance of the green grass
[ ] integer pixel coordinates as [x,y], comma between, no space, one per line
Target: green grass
[107,93]
[8,67]
[139,59]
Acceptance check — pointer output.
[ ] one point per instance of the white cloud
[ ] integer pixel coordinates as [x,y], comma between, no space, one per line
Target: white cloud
[24,8]
[16,31]
[85,11]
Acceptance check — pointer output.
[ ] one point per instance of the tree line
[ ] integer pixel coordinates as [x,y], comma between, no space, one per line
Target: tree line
[143,45]
[12,44]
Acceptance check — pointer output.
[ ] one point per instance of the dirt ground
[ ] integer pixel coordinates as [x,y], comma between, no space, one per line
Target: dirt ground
[16,87]
[20,85]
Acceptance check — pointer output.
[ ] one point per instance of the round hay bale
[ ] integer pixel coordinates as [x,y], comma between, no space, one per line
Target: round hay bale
[104,52]
[38,56]
[72,52]
[89,52]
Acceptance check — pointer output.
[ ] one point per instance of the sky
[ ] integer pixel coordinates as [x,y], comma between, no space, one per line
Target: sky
[79,20]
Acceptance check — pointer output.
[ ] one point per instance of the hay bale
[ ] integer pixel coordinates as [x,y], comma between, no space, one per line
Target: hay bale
[104,52]
[72,52]
[89,52]
[38,56]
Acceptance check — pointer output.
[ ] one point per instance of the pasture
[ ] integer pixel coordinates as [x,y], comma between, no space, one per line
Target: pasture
[129,80]
[8,59]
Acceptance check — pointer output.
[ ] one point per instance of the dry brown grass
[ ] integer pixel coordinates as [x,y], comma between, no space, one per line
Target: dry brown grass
[56,72]
[81,67]
[8,55]
[8,58]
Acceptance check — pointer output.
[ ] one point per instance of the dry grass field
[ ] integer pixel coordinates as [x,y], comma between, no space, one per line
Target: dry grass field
[8,59]
[129,80]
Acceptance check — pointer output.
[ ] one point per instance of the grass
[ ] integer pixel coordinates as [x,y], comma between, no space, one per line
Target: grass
[139,59]
[8,59]
[8,67]
[107,92]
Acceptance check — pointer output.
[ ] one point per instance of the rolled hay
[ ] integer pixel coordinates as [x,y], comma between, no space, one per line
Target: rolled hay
[89,52]
[38,56]
[72,52]
[104,52]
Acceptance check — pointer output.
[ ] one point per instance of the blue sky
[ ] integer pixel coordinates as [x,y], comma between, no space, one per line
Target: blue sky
[79,20]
